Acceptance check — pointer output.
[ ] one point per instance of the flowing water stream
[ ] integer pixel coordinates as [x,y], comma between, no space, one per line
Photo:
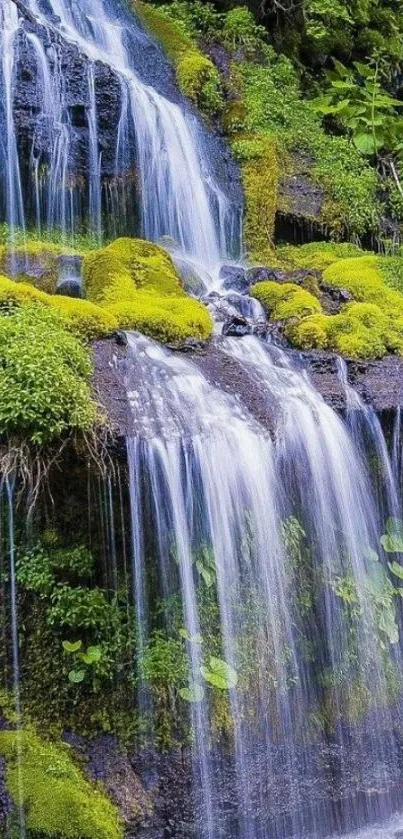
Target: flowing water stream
[271,537]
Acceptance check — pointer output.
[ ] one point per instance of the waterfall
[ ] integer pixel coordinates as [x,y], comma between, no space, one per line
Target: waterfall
[179,197]
[270,515]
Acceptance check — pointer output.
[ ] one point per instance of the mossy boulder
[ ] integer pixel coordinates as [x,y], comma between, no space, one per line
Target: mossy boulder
[285,301]
[136,282]
[369,327]
[56,797]
[35,262]
[83,318]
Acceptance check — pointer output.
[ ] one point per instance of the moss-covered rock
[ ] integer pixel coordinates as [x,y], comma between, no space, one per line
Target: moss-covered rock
[162,318]
[285,301]
[116,272]
[259,168]
[136,282]
[34,262]
[83,318]
[369,327]
[56,797]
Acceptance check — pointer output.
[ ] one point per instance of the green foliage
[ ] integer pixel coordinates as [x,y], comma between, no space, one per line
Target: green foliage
[358,101]
[61,579]
[57,799]
[44,374]
[219,674]
[316,255]
[200,81]
[241,32]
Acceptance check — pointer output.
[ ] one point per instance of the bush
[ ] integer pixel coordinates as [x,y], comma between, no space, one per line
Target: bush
[317,255]
[57,799]
[44,373]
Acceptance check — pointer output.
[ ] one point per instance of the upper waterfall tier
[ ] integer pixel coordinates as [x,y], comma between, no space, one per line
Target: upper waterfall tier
[93,127]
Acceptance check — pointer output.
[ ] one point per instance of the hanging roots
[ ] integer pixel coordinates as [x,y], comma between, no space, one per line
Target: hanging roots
[27,468]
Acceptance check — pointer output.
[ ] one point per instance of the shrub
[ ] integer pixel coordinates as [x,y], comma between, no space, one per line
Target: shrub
[57,799]
[44,373]
[286,300]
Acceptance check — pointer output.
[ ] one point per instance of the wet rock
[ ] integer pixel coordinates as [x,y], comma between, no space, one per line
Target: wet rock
[333,298]
[234,278]
[237,326]
[260,274]
[70,288]
[219,307]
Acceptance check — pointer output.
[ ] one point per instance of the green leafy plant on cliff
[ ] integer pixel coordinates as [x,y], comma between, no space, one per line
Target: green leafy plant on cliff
[357,99]
[44,376]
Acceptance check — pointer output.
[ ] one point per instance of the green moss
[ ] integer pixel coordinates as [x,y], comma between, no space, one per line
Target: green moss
[57,799]
[85,319]
[36,260]
[44,375]
[316,255]
[259,170]
[164,319]
[196,74]
[116,272]
[137,283]
[283,301]
[363,278]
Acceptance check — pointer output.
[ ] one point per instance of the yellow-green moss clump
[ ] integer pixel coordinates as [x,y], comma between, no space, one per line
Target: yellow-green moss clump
[83,318]
[285,301]
[56,797]
[196,74]
[316,255]
[369,327]
[136,282]
[257,157]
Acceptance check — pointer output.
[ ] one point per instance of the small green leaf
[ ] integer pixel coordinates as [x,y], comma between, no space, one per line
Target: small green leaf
[72,647]
[219,674]
[192,639]
[396,569]
[392,543]
[76,676]
[193,693]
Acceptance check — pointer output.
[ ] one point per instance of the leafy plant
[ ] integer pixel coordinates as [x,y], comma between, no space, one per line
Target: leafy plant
[392,540]
[92,656]
[219,674]
[357,99]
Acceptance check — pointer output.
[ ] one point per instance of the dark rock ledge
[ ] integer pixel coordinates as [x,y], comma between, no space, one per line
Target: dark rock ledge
[378,382]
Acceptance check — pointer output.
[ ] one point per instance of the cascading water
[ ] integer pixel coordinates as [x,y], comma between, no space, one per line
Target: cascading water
[269,542]
[179,197]
[270,516]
